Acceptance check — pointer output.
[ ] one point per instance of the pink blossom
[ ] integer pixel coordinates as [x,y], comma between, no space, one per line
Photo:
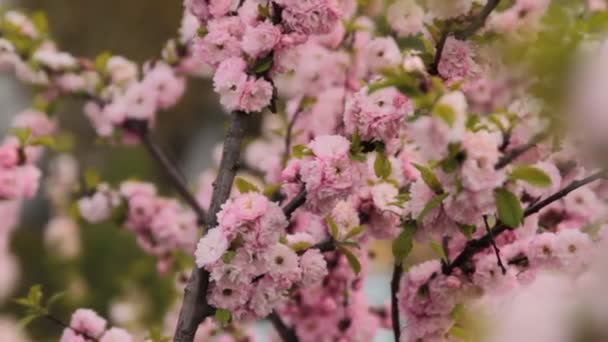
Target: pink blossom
[457,60]
[405,17]
[256,95]
[261,39]
[382,53]
[228,295]
[377,116]
[9,155]
[88,321]
[95,208]
[37,122]
[116,335]
[282,263]
[310,17]
[168,86]
[211,247]
[314,267]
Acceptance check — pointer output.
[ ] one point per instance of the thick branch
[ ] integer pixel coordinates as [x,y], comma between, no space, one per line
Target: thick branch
[477,245]
[395,282]
[195,307]
[295,203]
[434,69]
[168,167]
[287,334]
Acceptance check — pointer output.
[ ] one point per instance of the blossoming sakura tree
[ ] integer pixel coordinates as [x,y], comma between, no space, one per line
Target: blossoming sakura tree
[467,127]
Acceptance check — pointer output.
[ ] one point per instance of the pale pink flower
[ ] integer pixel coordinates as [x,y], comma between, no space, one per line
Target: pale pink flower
[88,321]
[116,335]
[256,95]
[382,53]
[261,39]
[314,267]
[405,17]
[282,263]
[211,247]
[168,86]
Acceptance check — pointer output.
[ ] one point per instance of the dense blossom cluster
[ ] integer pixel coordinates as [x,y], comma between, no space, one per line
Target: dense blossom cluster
[389,123]
[252,271]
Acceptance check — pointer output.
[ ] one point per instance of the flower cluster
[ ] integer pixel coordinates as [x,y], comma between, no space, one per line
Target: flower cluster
[162,225]
[251,270]
[86,326]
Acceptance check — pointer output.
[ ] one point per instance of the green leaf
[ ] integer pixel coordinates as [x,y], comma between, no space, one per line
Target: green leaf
[446,113]
[509,208]
[91,178]
[301,151]
[101,61]
[435,246]
[459,333]
[222,316]
[228,256]
[46,140]
[333,227]
[458,312]
[354,232]
[300,246]
[262,65]
[430,205]
[54,299]
[382,166]
[531,175]
[35,295]
[352,259]
[40,21]
[25,321]
[245,186]
[22,134]
[429,178]
[467,230]
[402,245]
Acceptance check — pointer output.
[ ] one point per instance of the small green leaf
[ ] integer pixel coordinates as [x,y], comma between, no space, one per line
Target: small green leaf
[382,166]
[245,186]
[25,321]
[458,312]
[301,151]
[333,227]
[354,232]
[300,246]
[435,246]
[22,134]
[429,178]
[430,205]
[35,295]
[222,316]
[352,259]
[54,299]
[467,230]
[402,245]
[459,333]
[446,113]
[91,178]
[228,256]
[47,141]
[509,208]
[101,61]
[262,65]
[531,175]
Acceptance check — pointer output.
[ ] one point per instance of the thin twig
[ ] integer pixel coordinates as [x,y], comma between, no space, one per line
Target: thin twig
[168,167]
[519,151]
[288,136]
[395,283]
[64,325]
[323,247]
[477,245]
[494,246]
[195,307]
[295,203]
[478,22]
[287,334]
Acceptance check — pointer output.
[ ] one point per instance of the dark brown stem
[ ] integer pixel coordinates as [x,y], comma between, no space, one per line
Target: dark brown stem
[477,245]
[64,325]
[295,203]
[395,282]
[168,167]
[478,22]
[518,152]
[287,334]
[195,307]
[434,69]
[494,246]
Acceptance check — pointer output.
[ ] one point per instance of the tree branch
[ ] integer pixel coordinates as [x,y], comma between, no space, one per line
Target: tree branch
[477,245]
[494,246]
[195,307]
[395,282]
[288,136]
[295,203]
[64,325]
[478,22]
[518,152]
[287,334]
[140,128]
